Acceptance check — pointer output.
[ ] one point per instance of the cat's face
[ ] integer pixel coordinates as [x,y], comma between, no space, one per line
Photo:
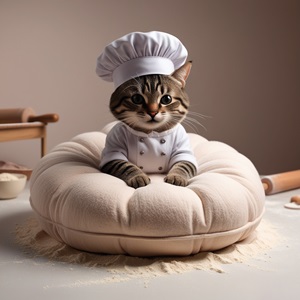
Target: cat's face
[152,102]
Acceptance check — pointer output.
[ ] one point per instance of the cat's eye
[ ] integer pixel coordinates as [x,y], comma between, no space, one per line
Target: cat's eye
[166,99]
[137,99]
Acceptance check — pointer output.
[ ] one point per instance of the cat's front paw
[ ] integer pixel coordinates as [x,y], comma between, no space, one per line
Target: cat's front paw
[138,181]
[176,180]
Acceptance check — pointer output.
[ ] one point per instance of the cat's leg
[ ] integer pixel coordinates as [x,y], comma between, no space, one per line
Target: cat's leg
[180,173]
[128,172]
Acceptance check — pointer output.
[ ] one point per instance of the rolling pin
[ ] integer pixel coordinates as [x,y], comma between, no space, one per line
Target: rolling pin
[281,182]
[22,115]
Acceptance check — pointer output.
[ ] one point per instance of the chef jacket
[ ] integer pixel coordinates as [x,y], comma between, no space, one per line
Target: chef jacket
[155,152]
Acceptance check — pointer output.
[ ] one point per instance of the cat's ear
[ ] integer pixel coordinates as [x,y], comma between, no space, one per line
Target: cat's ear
[182,73]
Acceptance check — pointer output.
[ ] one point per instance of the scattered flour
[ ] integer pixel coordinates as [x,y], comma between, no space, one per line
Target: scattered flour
[123,268]
[8,177]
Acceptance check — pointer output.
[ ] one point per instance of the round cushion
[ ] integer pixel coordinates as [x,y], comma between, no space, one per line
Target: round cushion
[78,205]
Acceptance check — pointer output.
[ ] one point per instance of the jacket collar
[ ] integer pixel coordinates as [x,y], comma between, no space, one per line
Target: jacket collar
[153,134]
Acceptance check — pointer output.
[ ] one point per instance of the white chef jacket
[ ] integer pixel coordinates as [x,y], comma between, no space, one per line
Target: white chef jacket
[155,152]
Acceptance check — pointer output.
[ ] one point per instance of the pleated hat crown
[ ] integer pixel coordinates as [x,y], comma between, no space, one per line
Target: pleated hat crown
[137,54]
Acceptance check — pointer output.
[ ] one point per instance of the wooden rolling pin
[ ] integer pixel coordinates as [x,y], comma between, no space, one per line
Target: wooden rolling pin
[281,182]
[22,115]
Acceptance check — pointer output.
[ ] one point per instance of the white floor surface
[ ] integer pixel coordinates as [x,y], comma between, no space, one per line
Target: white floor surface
[24,277]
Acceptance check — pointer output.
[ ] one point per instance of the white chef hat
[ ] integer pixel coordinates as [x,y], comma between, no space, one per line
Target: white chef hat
[137,54]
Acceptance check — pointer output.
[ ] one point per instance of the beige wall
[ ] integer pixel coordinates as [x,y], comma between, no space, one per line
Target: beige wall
[245,75]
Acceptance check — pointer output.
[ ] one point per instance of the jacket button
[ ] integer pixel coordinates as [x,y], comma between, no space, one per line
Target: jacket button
[160,168]
[162,141]
[142,140]
[163,154]
[141,167]
[142,152]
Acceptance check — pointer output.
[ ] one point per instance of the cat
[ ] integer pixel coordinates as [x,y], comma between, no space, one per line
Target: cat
[150,138]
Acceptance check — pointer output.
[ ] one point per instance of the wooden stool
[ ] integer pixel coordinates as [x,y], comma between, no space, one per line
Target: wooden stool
[23,123]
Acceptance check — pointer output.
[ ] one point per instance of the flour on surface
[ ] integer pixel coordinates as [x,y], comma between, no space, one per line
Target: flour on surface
[123,268]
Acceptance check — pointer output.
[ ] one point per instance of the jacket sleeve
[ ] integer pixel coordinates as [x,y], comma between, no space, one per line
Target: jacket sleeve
[181,149]
[115,146]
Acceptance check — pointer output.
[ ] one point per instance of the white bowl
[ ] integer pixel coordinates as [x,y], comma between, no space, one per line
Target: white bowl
[11,189]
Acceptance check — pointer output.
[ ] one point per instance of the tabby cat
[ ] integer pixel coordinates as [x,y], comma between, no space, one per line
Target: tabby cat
[150,138]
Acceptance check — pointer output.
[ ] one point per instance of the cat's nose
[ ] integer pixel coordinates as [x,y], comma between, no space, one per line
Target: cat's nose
[152,109]
[152,113]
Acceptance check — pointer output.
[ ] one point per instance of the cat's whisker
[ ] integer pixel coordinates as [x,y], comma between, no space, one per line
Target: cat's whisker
[130,121]
[192,126]
[193,123]
[196,114]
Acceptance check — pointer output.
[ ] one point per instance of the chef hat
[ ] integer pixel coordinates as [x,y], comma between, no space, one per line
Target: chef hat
[137,54]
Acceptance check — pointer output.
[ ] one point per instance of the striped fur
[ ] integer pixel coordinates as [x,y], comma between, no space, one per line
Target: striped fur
[180,173]
[128,172]
[151,103]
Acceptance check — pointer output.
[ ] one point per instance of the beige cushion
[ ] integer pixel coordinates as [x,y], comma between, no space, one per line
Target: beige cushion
[88,210]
